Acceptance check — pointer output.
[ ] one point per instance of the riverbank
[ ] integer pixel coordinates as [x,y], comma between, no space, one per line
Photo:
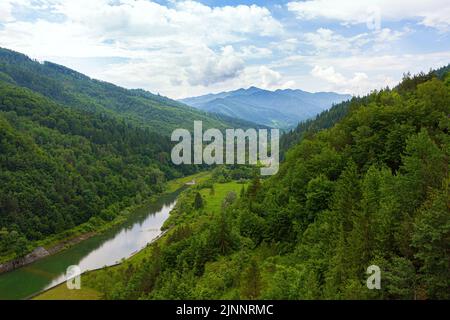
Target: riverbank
[40,253]
[93,281]
[69,238]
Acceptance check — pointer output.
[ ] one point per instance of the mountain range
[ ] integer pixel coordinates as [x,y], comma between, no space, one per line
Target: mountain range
[280,108]
[75,90]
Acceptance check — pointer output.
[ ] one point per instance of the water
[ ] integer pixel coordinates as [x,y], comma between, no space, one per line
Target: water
[106,249]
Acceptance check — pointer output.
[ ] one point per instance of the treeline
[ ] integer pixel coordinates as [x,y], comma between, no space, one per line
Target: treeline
[371,190]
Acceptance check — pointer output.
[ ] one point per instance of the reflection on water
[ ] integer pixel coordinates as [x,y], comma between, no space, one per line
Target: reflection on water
[99,251]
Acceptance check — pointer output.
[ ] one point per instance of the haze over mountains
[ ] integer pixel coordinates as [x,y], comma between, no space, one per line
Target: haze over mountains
[280,108]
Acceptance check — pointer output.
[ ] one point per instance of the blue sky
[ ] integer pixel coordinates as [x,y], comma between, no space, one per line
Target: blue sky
[188,48]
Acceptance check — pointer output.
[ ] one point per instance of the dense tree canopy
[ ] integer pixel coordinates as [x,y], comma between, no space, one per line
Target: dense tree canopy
[371,190]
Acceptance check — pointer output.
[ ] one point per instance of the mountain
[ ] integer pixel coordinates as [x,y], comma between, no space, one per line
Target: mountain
[75,90]
[279,108]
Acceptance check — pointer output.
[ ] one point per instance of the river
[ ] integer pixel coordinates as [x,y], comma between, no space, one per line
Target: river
[105,249]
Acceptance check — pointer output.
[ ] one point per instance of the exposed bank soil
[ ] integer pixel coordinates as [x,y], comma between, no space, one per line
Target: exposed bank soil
[41,252]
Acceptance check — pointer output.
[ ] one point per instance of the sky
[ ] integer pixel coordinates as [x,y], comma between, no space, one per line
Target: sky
[189,48]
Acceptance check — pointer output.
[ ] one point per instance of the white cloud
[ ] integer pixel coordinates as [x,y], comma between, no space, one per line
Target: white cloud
[184,43]
[214,68]
[358,83]
[431,13]
[254,52]
[326,40]
[141,21]
[264,77]
[359,74]
[5,11]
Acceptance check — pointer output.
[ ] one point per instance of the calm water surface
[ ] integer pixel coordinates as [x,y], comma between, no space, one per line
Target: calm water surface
[106,249]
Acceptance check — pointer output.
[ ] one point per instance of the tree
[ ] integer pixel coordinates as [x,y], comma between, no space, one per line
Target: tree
[221,235]
[432,239]
[198,201]
[230,198]
[254,187]
[422,169]
[318,194]
[251,281]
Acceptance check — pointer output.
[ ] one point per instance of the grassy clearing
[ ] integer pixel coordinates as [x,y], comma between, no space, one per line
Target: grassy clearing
[176,184]
[61,292]
[213,202]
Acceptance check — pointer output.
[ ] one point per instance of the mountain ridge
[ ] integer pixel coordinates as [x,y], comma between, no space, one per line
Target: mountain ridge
[76,90]
[281,108]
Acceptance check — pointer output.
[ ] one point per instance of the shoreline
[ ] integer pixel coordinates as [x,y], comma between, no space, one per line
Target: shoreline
[162,233]
[40,252]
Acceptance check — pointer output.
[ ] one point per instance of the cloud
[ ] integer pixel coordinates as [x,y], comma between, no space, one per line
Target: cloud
[327,40]
[359,74]
[358,83]
[214,68]
[130,28]
[142,21]
[254,52]
[328,74]
[186,48]
[159,46]
[5,11]
[431,13]
[264,77]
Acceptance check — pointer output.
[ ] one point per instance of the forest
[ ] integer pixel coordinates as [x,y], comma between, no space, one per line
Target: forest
[79,151]
[371,189]
[61,167]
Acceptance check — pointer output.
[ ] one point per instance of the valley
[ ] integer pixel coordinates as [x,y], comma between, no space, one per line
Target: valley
[365,182]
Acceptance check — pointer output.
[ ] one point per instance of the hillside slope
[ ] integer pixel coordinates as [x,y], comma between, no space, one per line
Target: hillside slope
[61,167]
[373,189]
[280,108]
[75,90]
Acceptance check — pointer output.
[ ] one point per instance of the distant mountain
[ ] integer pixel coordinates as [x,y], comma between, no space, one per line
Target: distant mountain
[75,90]
[279,108]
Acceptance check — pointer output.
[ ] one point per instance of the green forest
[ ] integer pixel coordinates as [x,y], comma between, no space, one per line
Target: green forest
[372,189]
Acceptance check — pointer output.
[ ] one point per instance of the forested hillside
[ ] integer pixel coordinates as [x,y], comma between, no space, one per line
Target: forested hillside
[60,167]
[328,118]
[78,91]
[280,108]
[371,190]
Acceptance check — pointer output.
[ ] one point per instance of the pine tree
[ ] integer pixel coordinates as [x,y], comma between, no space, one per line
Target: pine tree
[432,240]
[198,201]
[251,281]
